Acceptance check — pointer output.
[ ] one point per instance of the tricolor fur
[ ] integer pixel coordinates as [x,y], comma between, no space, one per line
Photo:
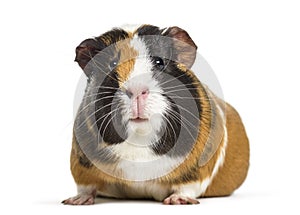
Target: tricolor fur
[147,127]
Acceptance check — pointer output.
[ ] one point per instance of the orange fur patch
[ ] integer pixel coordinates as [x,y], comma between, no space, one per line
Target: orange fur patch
[127,60]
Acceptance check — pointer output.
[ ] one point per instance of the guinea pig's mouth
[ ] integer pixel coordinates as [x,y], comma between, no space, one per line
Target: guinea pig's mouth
[138,120]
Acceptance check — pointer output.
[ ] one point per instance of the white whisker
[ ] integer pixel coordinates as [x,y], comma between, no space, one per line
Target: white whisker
[181,90]
[179,85]
[106,73]
[197,98]
[95,113]
[174,78]
[96,94]
[180,106]
[105,87]
[173,113]
[183,118]
[97,100]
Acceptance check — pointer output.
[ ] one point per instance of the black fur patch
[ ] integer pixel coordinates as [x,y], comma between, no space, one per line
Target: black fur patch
[148,30]
[84,161]
[170,132]
[181,92]
[111,129]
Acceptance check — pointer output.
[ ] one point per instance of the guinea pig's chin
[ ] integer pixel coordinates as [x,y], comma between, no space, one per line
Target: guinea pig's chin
[142,128]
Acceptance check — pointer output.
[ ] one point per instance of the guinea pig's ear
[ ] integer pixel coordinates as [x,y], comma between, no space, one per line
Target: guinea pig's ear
[86,51]
[183,44]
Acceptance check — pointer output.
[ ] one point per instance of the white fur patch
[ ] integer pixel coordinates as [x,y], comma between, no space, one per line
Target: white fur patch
[139,163]
[85,189]
[134,149]
[130,27]
[192,190]
[141,76]
[164,31]
[222,154]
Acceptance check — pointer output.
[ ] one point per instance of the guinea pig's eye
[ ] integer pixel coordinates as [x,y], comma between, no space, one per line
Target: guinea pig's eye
[113,64]
[158,62]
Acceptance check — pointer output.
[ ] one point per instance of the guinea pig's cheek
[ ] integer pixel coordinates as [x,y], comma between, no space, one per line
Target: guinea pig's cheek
[156,109]
[156,121]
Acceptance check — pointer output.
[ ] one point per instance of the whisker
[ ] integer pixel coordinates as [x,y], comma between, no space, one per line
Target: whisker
[96,123]
[169,92]
[171,95]
[105,87]
[174,78]
[95,63]
[196,98]
[82,109]
[163,142]
[114,111]
[173,113]
[179,90]
[169,124]
[181,107]
[179,85]
[105,117]
[108,122]
[96,94]
[95,113]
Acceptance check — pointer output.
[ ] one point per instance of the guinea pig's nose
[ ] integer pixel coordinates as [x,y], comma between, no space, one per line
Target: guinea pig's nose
[137,92]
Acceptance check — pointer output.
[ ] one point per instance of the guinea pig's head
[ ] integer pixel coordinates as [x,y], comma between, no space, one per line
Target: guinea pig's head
[140,84]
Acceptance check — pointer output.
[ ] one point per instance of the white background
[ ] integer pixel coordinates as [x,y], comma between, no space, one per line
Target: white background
[252,46]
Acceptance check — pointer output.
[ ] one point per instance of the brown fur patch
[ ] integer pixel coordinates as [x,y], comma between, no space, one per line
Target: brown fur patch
[234,170]
[91,175]
[127,60]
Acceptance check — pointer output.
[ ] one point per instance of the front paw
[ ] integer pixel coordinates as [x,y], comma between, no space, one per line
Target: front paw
[176,199]
[81,199]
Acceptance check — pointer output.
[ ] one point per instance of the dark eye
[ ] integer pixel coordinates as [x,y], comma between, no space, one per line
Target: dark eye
[158,62]
[113,64]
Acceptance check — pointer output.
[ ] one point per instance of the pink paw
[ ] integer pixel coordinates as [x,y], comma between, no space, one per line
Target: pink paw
[82,199]
[176,199]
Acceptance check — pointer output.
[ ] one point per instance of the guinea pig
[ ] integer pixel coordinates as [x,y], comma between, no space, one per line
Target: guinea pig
[147,126]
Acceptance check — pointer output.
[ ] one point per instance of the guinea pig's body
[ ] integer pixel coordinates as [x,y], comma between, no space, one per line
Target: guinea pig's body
[147,127]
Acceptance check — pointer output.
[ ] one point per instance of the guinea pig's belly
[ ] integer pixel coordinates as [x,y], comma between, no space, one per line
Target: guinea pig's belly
[147,190]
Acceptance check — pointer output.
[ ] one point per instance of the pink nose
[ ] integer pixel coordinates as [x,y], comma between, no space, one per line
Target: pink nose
[138,101]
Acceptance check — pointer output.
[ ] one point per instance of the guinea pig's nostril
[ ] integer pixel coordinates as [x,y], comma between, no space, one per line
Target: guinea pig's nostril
[145,92]
[129,93]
